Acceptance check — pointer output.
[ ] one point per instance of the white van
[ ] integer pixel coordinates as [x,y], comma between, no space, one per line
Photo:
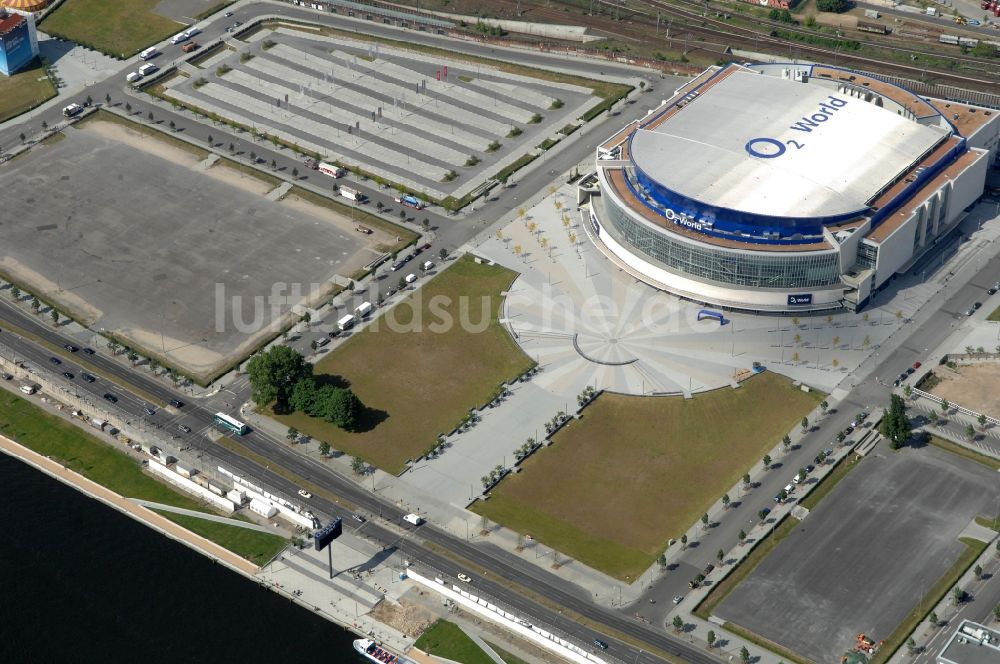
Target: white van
[192,32]
[133,77]
[363,309]
[150,52]
[179,37]
[28,389]
[347,322]
[413,518]
[147,69]
[410,278]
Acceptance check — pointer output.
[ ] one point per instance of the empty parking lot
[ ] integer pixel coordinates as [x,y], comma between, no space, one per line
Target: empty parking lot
[141,238]
[866,555]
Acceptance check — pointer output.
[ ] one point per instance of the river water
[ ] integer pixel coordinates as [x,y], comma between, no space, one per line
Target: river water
[80,582]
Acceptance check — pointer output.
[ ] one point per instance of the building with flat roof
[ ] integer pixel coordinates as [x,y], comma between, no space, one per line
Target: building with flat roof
[971,643]
[786,187]
[18,41]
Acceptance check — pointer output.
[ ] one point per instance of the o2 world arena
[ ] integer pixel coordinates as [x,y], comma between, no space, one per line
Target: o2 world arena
[786,187]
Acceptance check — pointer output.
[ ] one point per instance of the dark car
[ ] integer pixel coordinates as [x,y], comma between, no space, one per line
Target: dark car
[600,644]
[708,569]
[110,397]
[397,265]
[175,403]
[67,374]
[55,360]
[87,377]
[991,291]
[810,468]
[426,246]
[976,305]
[71,348]
[909,372]
[185,428]
[764,512]
[88,351]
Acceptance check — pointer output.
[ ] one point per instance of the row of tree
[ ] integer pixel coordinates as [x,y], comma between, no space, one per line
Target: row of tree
[281,377]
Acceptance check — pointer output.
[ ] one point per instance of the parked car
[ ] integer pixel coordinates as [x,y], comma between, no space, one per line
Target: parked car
[305,494]
[185,428]
[991,291]
[976,305]
[678,599]
[916,365]
[148,410]
[600,644]
[464,578]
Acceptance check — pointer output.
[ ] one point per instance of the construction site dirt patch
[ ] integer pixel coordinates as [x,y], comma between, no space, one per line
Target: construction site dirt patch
[973,386]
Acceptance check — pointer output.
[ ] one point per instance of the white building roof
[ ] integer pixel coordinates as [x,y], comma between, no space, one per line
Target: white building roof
[836,156]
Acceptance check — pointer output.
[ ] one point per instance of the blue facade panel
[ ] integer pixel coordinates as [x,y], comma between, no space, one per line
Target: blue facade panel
[15,48]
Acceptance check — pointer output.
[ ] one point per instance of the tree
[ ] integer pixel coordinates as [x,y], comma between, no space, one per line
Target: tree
[128,107]
[54,313]
[357,465]
[401,283]
[292,433]
[911,645]
[343,407]
[661,560]
[895,425]
[35,304]
[720,555]
[22,137]
[379,205]
[745,655]
[907,391]
[945,406]
[295,173]
[173,126]
[45,125]
[150,116]
[970,431]
[274,164]
[933,417]
[232,148]
[107,99]
[684,541]
[402,215]
[762,515]
[725,501]
[303,395]
[273,373]
[211,141]
[253,157]
[786,441]
[678,623]
[704,520]
[996,612]
[154,364]
[958,595]
[15,292]
[824,405]
[710,637]
[933,618]
[132,356]
[741,536]
[746,480]
[314,345]
[443,253]
[978,572]
[767,462]
[982,421]
[805,424]
[324,448]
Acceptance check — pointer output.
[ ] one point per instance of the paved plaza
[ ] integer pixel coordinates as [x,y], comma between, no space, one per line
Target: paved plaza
[382,108]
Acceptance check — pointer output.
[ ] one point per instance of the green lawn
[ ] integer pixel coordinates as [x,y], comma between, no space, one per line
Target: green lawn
[416,375]
[46,434]
[119,28]
[636,471]
[255,546]
[995,315]
[505,656]
[447,640]
[23,91]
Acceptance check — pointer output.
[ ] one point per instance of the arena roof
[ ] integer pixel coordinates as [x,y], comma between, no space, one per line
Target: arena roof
[850,148]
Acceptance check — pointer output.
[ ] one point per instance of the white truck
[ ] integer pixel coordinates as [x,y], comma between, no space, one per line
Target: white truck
[147,69]
[413,518]
[179,37]
[331,170]
[352,194]
[134,76]
[28,389]
[192,32]
[347,322]
[363,309]
[149,53]
[72,110]
[932,11]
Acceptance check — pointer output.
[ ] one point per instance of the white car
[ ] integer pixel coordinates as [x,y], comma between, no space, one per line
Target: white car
[464,578]
[305,494]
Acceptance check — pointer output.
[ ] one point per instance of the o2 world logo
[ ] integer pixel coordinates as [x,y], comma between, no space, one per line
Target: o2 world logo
[771,148]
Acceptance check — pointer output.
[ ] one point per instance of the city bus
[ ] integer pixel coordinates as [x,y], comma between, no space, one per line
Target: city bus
[230,424]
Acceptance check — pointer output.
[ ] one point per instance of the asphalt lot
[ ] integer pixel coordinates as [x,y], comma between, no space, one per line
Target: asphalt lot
[864,557]
[143,246]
